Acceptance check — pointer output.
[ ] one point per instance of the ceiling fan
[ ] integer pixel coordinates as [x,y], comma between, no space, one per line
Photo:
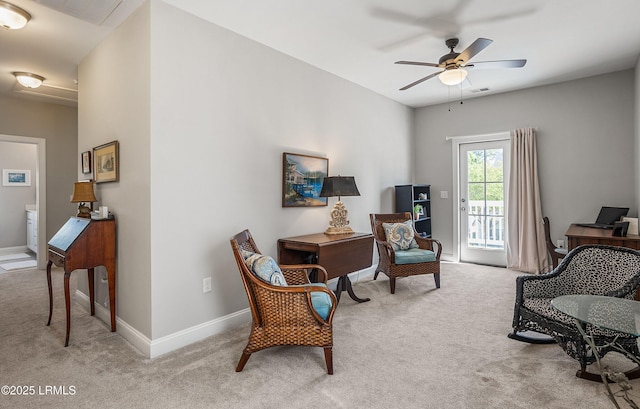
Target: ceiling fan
[456,64]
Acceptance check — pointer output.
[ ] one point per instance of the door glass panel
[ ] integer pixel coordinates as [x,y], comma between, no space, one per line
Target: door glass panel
[494,165]
[485,190]
[475,164]
[476,232]
[476,198]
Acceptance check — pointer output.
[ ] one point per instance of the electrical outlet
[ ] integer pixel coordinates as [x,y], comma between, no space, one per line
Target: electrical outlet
[444,194]
[206,285]
[560,244]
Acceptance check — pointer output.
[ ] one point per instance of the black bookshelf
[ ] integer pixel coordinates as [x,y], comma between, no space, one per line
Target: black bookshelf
[410,196]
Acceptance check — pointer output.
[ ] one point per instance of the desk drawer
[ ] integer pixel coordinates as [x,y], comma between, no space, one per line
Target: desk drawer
[55,258]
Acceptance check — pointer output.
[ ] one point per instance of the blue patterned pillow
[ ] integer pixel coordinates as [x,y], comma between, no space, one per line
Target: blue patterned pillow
[400,235]
[264,267]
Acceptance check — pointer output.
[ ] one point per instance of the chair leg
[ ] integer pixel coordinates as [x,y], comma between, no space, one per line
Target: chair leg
[328,358]
[392,284]
[243,360]
[375,275]
[436,277]
[554,261]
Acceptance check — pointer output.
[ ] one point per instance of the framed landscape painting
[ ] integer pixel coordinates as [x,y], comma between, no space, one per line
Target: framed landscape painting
[302,177]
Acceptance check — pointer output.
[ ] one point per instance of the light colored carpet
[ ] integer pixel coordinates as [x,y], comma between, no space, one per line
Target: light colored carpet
[420,348]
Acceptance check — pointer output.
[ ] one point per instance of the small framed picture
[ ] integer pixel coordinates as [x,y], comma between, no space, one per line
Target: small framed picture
[106,162]
[14,177]
[85,159]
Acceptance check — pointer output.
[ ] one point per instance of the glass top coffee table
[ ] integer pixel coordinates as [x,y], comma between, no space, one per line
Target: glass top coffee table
[616,314]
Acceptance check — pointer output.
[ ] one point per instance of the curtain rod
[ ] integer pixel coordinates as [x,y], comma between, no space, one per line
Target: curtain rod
[496,136]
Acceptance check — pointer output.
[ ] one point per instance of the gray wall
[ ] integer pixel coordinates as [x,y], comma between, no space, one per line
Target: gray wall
[585,142]
[113,109]
[223,139]
[58,125]
[13,199]
[201,161]
[636,113]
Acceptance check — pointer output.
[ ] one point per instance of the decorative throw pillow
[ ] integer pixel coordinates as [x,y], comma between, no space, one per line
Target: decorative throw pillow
[264,267]
[400,235]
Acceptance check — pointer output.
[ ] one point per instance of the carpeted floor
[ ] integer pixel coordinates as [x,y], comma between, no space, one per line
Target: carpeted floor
[420,348]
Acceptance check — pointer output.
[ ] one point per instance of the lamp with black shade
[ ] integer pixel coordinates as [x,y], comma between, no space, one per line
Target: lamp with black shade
[83,193]
[339,186]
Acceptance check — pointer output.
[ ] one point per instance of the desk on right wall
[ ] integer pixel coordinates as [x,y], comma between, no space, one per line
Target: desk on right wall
[579,236]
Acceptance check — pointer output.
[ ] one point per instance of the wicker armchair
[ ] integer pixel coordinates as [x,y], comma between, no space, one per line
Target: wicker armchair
[284,315]
[592,269]
[387,256]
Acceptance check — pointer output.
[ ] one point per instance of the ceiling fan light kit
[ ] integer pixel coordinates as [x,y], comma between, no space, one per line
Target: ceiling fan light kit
[452,77]
[13,17]
[29,80]
[452,64]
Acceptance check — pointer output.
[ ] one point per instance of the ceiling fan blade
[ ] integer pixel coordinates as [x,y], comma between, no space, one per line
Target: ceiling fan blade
[502,17]
[395,16]
[427,64]
[497,64]
[403,42]
[475,47]
[419,81]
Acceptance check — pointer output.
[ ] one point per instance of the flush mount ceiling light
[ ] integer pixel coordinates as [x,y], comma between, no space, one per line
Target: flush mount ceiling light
[28,80]
[452,77]
[13,17]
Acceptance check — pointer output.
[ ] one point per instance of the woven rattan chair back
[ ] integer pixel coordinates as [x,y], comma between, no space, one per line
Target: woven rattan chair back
[283,315]
[386,255]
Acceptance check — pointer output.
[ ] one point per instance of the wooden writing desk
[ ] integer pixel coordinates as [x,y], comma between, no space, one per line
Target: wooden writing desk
[339,254]
[578,236]
[84,243]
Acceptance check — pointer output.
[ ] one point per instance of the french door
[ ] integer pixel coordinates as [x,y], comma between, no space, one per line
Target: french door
[484,169]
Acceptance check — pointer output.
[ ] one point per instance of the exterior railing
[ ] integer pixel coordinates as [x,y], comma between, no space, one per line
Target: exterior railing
[485,227]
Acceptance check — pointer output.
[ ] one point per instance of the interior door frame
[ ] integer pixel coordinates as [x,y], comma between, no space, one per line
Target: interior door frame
[41,191]
[456,141]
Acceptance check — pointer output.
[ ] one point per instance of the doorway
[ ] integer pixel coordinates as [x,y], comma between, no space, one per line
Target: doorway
[483,183]
[41,196]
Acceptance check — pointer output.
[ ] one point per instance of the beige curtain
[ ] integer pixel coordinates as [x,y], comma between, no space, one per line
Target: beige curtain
[526,248]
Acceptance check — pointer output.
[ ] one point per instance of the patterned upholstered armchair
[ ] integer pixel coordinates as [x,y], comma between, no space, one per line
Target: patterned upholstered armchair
[594,270]
[286,308]
[401,250]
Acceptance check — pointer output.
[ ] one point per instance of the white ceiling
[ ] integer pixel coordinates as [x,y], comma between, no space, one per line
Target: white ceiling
[360,40]
[53,43]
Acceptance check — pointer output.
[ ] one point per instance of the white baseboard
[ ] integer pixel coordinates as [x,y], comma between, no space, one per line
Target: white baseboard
[199,332]
[177,340]
[361,275]
[446,257]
